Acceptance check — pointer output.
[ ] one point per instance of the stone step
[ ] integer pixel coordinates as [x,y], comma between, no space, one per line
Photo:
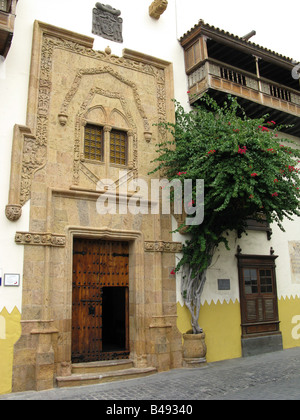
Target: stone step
[101,366]
[98,378]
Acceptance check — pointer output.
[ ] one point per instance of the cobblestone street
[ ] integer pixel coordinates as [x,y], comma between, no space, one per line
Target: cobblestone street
[274,376]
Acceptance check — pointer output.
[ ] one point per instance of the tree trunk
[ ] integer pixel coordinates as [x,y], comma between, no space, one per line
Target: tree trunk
[192,288]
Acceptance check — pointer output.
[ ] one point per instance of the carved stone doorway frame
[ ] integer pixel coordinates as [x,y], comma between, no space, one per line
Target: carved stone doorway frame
[137,339]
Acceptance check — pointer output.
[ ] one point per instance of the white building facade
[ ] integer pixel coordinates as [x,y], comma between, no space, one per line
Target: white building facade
[150,37]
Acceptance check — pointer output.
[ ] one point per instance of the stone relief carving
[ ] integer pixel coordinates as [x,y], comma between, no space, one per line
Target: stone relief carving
[161,246]
[13,212]
[157,8]
[46,239]
[81,73]
[35,145]
[107,22]
[78,165]
[34,158]
[84,107]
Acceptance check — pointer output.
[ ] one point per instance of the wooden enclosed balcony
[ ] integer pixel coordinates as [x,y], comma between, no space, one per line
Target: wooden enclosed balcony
[220,64]
[7,21]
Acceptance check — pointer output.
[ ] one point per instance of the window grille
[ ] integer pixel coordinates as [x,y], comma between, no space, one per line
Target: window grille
[93,142]
[118,147]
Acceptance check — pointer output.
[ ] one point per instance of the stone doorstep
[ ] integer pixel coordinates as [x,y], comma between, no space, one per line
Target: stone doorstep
[101,366]
[106,376]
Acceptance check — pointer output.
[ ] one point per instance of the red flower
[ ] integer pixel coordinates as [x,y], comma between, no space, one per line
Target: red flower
[254,174]
[172,272]
[251,196]
[242,150]
[275,180]
[264,129]
[211,151]
[275,194]
[273,122]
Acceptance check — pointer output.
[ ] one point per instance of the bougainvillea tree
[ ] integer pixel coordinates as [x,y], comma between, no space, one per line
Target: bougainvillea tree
[248,172]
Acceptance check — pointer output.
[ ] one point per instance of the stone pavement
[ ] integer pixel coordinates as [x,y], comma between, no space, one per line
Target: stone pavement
[271,376]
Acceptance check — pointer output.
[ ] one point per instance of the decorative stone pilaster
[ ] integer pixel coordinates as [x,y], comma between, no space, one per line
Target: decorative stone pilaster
[35,356]
[164,343]
[45,355]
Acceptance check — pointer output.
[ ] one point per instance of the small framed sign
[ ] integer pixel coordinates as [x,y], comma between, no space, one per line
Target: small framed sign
[223,284]
[12,280]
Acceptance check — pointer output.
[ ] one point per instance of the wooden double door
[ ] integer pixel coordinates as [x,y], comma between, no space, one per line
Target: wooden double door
[100,306]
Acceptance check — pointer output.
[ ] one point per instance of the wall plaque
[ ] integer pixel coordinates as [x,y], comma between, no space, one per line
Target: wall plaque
[294,249]
[107,22]
[223,284]
[12,280]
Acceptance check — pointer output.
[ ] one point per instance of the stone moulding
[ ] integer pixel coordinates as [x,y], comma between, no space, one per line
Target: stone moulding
[161,246]
[45,239]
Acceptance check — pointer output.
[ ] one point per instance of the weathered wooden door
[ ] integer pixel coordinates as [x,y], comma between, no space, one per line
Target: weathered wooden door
[100,300]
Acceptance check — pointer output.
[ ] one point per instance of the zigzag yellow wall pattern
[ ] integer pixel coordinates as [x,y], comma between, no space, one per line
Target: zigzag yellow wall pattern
[10,332]
[221,324]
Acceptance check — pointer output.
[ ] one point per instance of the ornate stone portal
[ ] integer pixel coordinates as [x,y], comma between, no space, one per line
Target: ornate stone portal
[72,86]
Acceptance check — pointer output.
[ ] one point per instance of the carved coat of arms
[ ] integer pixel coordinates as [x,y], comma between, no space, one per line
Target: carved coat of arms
[107,22]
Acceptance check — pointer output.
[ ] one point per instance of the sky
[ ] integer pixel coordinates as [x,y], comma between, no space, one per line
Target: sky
[276,22]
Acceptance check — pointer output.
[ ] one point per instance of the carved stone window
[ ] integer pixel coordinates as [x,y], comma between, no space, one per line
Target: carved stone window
[105,144]
[118,147]
[107,22]
[93,142]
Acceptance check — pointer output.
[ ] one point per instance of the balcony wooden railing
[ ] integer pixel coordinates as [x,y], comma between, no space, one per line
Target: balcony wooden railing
[217,75]
[6,5]
[232,76]
[7,20]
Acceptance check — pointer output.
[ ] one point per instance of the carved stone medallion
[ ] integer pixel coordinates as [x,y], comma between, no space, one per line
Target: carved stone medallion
[107,22]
